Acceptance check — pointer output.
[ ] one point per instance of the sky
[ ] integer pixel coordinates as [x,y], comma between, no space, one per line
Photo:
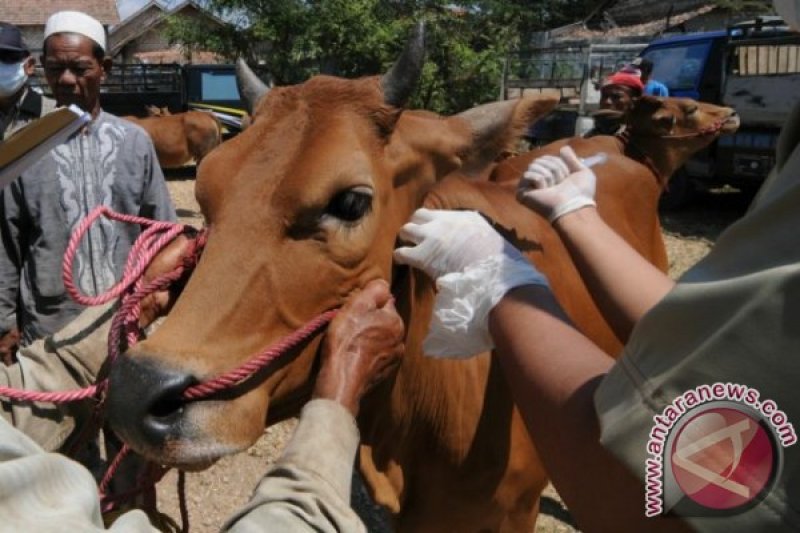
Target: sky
[128,7]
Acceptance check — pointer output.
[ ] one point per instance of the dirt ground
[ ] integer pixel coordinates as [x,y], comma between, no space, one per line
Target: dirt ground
[216,493]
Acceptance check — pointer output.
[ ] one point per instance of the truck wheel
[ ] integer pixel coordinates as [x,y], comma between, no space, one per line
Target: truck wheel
[679,193]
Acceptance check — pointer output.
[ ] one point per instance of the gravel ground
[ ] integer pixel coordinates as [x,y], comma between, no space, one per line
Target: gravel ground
[216,493]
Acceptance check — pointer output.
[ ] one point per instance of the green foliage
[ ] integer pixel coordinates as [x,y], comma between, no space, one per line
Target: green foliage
[296,39]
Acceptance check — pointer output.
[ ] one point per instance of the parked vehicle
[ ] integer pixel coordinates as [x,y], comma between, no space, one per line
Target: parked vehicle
[130,88]
[753,67]
[576,72]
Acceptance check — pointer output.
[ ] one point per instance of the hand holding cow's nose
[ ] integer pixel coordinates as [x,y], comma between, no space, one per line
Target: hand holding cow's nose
[554,186]
[159,303]
[363,345]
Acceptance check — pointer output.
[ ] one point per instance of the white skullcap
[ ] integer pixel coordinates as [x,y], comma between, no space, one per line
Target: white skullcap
[76,22]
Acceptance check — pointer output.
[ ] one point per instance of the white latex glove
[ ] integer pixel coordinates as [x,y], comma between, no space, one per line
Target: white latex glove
[554,186]
[473,267]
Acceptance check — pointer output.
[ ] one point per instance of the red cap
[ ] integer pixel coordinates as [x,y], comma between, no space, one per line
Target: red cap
[625,79]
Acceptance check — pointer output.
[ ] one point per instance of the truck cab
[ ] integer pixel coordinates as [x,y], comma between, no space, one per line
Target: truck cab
[753,67]
[689,65]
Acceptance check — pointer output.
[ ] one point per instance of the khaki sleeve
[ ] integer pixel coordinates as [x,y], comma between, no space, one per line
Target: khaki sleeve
[68,360]
[308,488]
[49,492]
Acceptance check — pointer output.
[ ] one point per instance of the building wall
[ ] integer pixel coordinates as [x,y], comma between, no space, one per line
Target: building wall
[150,41]
[155,39]
[33,37]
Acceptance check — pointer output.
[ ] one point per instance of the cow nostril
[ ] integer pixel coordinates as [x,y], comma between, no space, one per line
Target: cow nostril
[145,401]
[167,407]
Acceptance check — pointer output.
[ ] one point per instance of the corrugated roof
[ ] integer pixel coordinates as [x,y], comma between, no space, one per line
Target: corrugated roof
[35,12]
[645,29]
[629,12]
[146,18]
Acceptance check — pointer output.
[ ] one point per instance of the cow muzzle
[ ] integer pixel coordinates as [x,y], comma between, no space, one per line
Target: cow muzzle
[145,404]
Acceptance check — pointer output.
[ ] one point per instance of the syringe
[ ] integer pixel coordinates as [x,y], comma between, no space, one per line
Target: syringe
[596,159]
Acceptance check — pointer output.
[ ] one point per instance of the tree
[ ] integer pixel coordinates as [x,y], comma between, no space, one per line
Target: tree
[295,39]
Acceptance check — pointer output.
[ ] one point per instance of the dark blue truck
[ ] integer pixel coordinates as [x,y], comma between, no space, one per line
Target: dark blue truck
[753,67]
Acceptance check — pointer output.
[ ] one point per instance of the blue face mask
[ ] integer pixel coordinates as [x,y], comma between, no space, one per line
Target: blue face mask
[12,78]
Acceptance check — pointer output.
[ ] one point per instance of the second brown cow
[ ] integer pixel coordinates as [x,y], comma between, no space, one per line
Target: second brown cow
[182,138]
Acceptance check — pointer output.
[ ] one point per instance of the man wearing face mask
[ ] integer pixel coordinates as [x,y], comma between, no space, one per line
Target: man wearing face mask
[110,162]
[19,104]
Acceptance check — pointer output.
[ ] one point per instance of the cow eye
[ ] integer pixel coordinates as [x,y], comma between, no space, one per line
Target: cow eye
[350,205]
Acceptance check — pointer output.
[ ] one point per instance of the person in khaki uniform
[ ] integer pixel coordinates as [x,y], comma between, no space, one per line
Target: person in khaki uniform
[732,319]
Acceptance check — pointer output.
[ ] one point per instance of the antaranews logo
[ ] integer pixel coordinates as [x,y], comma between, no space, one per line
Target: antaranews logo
[716,450]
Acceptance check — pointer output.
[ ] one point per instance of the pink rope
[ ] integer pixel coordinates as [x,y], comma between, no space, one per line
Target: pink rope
[52,397]
[144,249]
[112,469]
[155,237]
[131,289]
[238,375]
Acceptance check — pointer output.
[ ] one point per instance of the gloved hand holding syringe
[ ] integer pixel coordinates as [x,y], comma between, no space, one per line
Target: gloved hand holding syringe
[473,266]
[557,185]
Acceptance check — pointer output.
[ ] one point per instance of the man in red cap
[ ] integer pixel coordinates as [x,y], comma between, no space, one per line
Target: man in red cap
[617,96]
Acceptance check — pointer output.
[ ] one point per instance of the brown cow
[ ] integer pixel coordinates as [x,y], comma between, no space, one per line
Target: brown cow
[663,133]
[303,209]
[182,138]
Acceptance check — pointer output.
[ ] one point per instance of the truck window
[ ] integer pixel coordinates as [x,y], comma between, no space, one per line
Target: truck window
[679,67]
[218,86]
[758,60]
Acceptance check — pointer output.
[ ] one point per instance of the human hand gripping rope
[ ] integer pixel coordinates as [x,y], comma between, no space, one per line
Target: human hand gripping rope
[131,290]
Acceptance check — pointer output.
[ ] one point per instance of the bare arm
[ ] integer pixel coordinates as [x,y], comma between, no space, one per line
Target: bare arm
[553,371]
[622,282]
[624,285]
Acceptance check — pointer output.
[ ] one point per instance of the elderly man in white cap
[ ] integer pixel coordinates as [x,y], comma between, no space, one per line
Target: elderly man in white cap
[110,162]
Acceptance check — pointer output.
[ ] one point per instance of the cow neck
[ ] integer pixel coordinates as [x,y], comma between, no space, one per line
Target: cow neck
[652,152]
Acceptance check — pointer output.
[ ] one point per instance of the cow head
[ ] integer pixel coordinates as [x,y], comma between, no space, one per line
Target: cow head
[671,130]
[303,208]
[682,119]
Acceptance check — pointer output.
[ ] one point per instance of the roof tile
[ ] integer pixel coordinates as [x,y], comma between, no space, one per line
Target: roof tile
[34,12]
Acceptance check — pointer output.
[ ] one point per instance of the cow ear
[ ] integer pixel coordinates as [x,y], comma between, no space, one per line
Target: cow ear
[497,126]
[385,119]
[648,104]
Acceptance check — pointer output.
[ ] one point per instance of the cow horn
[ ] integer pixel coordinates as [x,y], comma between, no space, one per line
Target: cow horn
[251,88]
[401,79]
